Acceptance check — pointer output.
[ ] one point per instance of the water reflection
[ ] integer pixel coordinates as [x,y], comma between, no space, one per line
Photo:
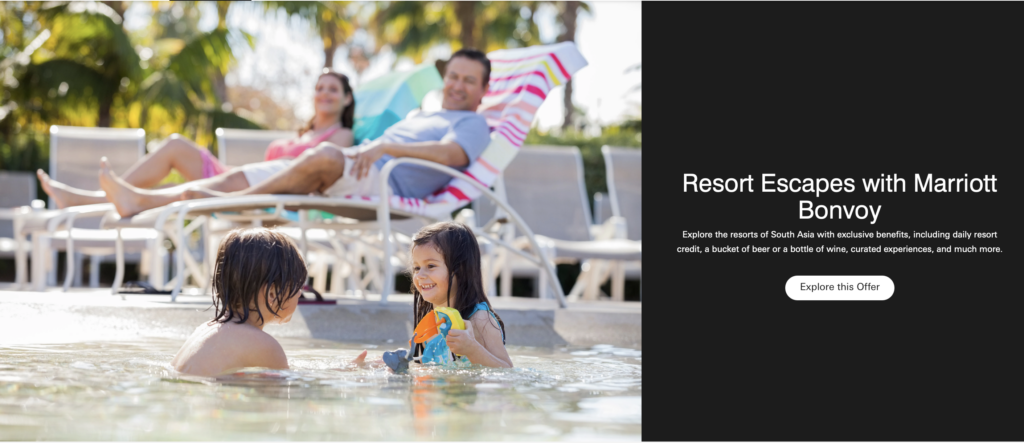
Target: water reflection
[128,391]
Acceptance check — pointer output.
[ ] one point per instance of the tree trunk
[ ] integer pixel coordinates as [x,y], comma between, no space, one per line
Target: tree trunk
[220,88]
[568,19]
[329,56]
[466,13]
[222,14]
[570,110]
[104,117]
[328,33]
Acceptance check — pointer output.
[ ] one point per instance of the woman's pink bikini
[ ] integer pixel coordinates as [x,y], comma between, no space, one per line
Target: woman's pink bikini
[277,149]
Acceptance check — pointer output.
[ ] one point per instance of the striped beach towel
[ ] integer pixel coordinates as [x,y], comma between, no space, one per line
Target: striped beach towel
[520,81]
[386,100]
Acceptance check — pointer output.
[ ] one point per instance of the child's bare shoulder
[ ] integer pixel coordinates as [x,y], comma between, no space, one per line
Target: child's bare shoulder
[216,347]
[486,327]
[483,320]
[263,350]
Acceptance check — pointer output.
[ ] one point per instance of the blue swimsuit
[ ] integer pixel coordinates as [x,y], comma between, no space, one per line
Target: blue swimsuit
[436,351]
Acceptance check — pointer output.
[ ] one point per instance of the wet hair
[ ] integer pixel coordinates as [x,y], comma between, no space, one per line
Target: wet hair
[251,261]
[347,113]
[478,56]
[458,246]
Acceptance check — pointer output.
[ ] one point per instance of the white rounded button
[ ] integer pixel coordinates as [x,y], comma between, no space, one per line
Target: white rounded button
[839,287]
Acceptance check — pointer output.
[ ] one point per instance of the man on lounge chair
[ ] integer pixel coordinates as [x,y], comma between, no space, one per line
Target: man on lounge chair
[454,136]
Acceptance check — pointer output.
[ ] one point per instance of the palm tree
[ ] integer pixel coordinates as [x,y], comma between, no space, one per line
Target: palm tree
[412,28]
[94,60]
[568,12]
[87,72]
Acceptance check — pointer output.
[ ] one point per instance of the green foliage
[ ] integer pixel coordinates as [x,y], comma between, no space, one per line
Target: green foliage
[412,28]
[222,119]
[198,59]
[88,73]
[590,148]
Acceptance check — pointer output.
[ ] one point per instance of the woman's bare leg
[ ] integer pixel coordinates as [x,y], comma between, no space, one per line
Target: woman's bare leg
[176,152]
[64,195]
[130,200]
[315,170]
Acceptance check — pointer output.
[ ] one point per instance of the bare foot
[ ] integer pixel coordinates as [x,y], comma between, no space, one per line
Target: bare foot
[360,359]
[64,195]
[126,200]
[360,362]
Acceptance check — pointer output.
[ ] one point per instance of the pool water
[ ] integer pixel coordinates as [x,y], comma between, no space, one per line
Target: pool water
[127,390]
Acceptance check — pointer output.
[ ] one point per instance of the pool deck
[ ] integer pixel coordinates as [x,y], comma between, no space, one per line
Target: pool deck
[86,314]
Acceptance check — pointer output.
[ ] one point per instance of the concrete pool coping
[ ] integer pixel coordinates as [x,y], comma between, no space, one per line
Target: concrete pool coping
[82,314]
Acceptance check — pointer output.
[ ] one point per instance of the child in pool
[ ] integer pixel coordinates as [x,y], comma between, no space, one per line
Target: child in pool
[257,279]
[446,273]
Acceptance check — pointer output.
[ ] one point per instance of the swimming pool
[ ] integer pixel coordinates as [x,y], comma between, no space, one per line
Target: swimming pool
[121,390]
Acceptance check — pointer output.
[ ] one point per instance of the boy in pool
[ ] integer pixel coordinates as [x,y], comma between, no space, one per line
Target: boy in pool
[256,281]
[446,273]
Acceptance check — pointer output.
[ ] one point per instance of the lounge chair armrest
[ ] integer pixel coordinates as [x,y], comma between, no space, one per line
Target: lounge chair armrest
[613,228]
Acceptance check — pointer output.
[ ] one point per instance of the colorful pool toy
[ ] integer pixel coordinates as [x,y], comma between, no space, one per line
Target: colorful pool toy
[431,331]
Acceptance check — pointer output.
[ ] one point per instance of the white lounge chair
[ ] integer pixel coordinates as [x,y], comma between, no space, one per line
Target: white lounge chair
[74,160]
[602,207]
[19,189]
[623,174]
[545,185]
[237,147]
[520,80]
[353,269]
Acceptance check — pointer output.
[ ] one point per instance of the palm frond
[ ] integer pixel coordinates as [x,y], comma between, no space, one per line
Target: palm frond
[223,119]
[198,59]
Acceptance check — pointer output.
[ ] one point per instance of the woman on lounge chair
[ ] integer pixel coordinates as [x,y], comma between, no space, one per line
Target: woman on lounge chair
[332,122]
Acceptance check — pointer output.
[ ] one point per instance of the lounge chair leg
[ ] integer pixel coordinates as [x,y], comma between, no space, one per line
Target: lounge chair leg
[303,240]
[581,283]
[145,260]
[119,263]
[94,271]
[51,269]
[378,279]
[79,264]
[544,282]
[506,262]
[69,255]
[593,288]
[487,266]
[180,249]
[337,281]
[618,281]
[39,258]
[541,289]
[320,273]
[343,269]
[20,254]
[386,272]
[160,261]
[354,276]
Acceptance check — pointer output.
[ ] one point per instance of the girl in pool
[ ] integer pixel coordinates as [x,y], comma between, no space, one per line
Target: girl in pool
[332,122]
[257,279]
[446,273]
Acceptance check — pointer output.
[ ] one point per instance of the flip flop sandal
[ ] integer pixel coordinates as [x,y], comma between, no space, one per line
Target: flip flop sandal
[319,298]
